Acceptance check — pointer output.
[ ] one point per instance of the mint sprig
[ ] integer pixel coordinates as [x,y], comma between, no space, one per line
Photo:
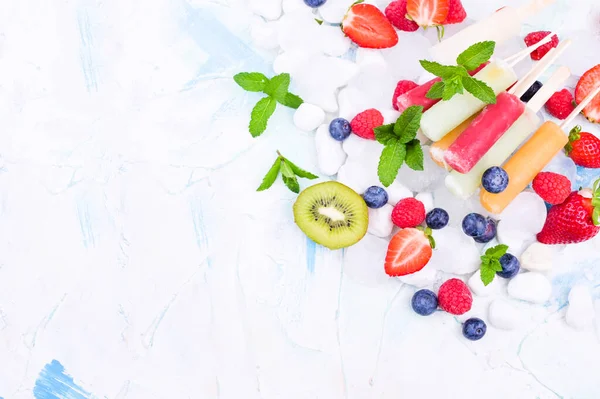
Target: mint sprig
[290,173]
[400,145]
[277,91]
[490,263]
[596,203]
[456,78]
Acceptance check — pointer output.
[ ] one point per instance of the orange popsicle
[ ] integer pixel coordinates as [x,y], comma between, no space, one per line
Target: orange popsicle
[438,148]
[525,164]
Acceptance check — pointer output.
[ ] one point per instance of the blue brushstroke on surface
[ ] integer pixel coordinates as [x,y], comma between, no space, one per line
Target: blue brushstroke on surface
[311,249]
[54,383]
[83,214]
[87,43]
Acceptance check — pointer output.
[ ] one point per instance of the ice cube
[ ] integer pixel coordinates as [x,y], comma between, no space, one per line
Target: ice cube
[375,86]
[425,277]
[264,34]
[292,5]
[289,26]
[454,252]
[270,9]
[290,62]
[538,257]
[402,66]
[586,177]
[479,289]
[457,208]
[397,191]
[380,221]
[531,287]
[308,117]
[563,165]
[521,221]
[333,11]
[330,155]
[427,199]
[426,180]
[333,41]
[580,312]
[354,175]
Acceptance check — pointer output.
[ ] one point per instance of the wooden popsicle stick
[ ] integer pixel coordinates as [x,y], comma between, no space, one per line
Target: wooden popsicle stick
[538,70]
[521,55]
[580,107]
[558,78]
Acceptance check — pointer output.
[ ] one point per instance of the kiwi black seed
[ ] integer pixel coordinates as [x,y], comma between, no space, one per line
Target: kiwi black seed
[331,214]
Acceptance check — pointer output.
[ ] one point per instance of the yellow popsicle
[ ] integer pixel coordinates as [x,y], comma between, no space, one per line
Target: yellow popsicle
[438,148]
[525,164]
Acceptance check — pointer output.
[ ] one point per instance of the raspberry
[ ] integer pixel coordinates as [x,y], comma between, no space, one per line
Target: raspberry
[454,297]
[552,187]
[456,13]
[534,38]
[363,124]
[560,105]
[402,87]
[396,14]
[408,212]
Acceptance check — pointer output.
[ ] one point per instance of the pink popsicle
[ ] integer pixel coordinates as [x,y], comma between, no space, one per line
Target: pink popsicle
[416,96]
[483,132]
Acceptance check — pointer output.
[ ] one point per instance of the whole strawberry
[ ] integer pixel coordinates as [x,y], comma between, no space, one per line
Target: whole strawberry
[585,86]
[396,13]
[454,297]
[552,187]
[583,148]
[575,220]
[534,38]
[560,105]
[408,212]
[363,124]
[403,86]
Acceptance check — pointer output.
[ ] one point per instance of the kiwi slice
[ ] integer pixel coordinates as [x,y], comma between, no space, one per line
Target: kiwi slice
[331,214]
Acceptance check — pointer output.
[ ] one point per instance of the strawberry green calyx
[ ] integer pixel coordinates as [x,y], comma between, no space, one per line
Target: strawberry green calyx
[428,233]
[596,203]
[573,137]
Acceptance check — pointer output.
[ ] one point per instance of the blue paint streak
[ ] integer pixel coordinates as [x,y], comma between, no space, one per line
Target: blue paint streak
[87,63]
[54,383]
[311,249]
[85,224]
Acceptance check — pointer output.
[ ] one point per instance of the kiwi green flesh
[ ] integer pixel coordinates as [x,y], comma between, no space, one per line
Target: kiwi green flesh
[331,214]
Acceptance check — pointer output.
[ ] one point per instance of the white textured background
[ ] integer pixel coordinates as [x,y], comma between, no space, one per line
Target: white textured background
[135,251]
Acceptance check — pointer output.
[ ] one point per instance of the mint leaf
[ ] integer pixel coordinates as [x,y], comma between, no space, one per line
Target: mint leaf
[271,176]
[497,252]
[449,92]
[261,113]
[436,91]
[414,155]
[391,159]
[479,89]
[407,125]
[495,265]
[278,87]
[292,184]
[490,262]
[300,172]
[319,21]
[443,71]
[286,169]
[385,133]
[487,275]
[251,81]
[292,101]
[476,55]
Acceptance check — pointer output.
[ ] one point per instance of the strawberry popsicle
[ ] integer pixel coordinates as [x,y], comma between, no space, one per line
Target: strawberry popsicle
[438,149]
[444,116]
[484,132]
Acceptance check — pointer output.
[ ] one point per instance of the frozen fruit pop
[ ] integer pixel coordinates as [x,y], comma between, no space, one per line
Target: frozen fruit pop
[444,116]
[417,96]
[531,158]
[438,149]
[501,26]
[465,185]
[484,132]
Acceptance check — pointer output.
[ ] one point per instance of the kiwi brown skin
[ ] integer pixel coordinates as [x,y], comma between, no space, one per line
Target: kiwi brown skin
[331,214]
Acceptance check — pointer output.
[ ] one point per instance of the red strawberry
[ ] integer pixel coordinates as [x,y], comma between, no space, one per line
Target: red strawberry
[454,297]
[408,252]
[534,38]
[402,87]
[408,212]
[560,105]
[456,13]
[588,82]
[366,26]
[396,13]
[428,12]
[552,187]
[575,220]
[363,124]
[583,148]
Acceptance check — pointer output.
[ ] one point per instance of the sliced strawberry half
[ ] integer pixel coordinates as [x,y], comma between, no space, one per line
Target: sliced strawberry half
[366,26]
[588,82]
[408,252]
[428,12]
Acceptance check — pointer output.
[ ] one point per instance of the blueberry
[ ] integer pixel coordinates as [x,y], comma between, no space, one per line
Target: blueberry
[375,197]
[490,232]
[437,219]
[474,225]
[510,266]
[494,180]
[531,91]
[314,3]
[340,129]
[424,302]
[474,329]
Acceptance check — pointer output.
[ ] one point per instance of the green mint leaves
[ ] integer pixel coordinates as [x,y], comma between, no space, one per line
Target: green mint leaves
[456,79]
[277,91]
[596,203]
[289,174]
[490,263]
[400,145]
